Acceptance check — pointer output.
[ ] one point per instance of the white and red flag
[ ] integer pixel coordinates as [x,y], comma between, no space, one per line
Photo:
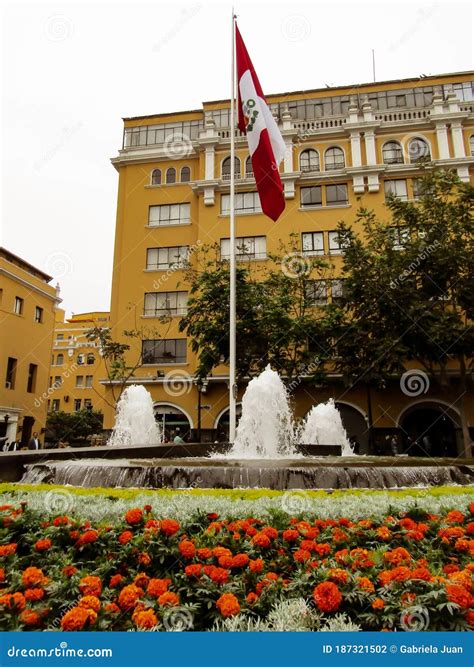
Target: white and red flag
[266,145]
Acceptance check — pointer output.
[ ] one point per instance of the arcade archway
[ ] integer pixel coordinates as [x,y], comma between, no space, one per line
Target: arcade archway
[173,420]
[222,423]
[354,421]
[430,428]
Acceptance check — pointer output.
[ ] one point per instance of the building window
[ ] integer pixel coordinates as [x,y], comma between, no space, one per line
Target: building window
[249,167]
[392,153]
[185,175]
[55,404]
[246,248]
[59,336]
[335,245]
[159,259]
[225,169]
[79,381]
[471,144]
[32,374]
[18,306]
[87,404]
[80,359]
[336,288]
[336,195]
[58,381]
[38,314]
[311,196]
[89,379]
[156,177]
[169,214]
[245,202]
[60,360]
[77,404]
[334,158]
[161,304]
[168,351]
[417,184]
[396,188]
[11,373]
[400,237]
[90,358]
[312,243]
[170,175]
[309,160]
[418,149]
[316,293]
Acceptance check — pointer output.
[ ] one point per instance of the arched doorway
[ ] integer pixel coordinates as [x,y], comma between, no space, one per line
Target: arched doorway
[353,420]
[173,421]
[221,424]
[430,429]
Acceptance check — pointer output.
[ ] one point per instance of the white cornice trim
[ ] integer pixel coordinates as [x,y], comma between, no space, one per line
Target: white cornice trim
[30,286]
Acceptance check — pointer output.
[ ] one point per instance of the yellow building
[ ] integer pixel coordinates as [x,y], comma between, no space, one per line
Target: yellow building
[347,146]
[27,308]
[77,367]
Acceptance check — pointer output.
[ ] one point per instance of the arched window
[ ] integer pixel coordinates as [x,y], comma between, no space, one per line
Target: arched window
[309,160]
[185,175]
[418,149]
[171,175]
[156,177]
[392,153]
[226,168]
[334,158]
[471,144]
[248,167]
[90,358]
[60,360]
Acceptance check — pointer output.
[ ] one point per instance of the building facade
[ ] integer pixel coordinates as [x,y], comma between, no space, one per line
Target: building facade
[346,147]
[28,306]
[77,367]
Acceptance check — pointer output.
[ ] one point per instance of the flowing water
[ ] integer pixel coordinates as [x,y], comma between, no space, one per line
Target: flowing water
[135,421]
[323,426]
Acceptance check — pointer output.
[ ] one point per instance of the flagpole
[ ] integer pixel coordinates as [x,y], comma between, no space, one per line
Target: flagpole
[232,305]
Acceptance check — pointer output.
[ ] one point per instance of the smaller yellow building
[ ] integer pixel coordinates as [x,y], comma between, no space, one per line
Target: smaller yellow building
[76,364]
[28,306]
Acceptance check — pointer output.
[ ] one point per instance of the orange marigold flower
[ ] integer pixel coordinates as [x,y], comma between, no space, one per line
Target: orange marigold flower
[261,540]
[221,551]
[168,599]
[463,578]
[384,533]
[451,533]
[30,617]
[470,617]
[145,619]
[251,598]
[450,567]
[309,545]
[219,575]
[251,531]
[407,598]
[323,549]
[7,549]
[69,570]
[301,555]
[397,556]
[43,545]
[88,537]
[194,570]
[152,524]
[338,575]
[129,596]
[2,575]
[228,605]
[462,544]
[169,527]
[400,573]
[455,516]
[327,596]
[421,573]
[187,549]
[144,558]
[365,584]
[339,535]
[141,580]
[134,516]
[270,532]
[459,595]
[116,580]
[157,587]
[204,554]
[378,603]
[61,521]
[225,561]
[214,527]
[408,523]
[256,565]
[240,560]
[290,535]
[13,600]
[112,608]
[34,594]
[125,537]
[91,586]
[32,577]
[75,619]
[89,602]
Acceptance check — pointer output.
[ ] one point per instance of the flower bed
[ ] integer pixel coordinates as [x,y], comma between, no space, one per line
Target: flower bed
[404,569]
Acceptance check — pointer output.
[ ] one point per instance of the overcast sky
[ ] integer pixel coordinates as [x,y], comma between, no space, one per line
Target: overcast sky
[71,71]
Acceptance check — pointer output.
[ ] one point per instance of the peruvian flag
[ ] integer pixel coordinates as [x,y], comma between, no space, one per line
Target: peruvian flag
[266,144]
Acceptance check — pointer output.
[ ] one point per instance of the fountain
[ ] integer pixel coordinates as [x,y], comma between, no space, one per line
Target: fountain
[268,452]
[135,423]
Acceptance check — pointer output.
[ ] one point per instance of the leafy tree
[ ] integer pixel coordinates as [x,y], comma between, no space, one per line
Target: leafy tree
[65,426]
[409,291]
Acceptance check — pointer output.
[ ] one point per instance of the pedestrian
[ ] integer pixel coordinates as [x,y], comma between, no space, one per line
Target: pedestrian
[177,438]
[34,442]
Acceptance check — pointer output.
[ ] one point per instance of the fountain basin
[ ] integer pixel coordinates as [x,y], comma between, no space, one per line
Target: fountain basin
[278,474]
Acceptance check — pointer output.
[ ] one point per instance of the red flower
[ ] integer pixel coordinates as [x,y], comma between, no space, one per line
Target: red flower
[168,599]
[301,555]
[455,516]
[261,540]
[43,545]
[338,575]
[34,594]
[30,617]
[204,554]
[397,556]
[256,565]
[187,549]
[169,527]
[228,605]
[32,577]
[90,586]
[88,537]
[270,532]
[378,603]
[134,516]
[251,598]
[129,596]
[290,535]
[459,595]
[240,560]
[323,549]
[125,537]
[193,571]
[116,580]
[157,587]
[327,596]
[69,570]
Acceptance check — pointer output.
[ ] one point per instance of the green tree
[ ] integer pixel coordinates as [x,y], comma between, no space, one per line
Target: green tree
[409,291]
[66,426]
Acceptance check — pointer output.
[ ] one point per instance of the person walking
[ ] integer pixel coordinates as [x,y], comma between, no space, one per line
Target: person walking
[177,438]
[34,442]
